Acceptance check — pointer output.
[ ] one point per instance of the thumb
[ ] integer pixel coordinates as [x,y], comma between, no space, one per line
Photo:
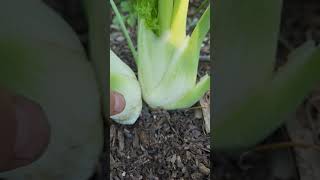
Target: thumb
[117,103]
[24,131]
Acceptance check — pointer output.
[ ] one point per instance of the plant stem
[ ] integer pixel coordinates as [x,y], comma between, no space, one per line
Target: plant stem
[179,21]
[165,14]
[124,30]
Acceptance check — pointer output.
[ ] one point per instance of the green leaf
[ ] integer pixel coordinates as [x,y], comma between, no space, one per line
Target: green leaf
[125,6]
[131,20]
[148,11]
[245,42]
[193,96]
[260,114]
[124,29]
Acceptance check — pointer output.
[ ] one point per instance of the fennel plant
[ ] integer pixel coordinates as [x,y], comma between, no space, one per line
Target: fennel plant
[167,58]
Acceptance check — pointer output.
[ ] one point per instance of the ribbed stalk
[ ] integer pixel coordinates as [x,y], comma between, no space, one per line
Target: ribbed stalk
[165,14]
[179,21]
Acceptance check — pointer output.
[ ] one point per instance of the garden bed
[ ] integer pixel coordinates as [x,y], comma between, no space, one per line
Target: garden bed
[161,144]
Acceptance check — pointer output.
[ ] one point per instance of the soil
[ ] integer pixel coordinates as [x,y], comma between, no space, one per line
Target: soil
[161,145]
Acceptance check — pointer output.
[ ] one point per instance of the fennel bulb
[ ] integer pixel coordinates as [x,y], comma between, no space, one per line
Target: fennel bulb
[168,62]
[124,81]
[167,59]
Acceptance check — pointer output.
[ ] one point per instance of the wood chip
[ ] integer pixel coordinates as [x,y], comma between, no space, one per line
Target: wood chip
[136,139]
[179,162]
[203,169]
[143,138]
[188,154]
[113,134]
[120,38]
[127,133]
[196,176]
[120,140]
[112,161]
[205,104]
[173,159]
[198,114]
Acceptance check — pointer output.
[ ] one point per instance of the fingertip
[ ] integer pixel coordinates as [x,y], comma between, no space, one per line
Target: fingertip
[118,104]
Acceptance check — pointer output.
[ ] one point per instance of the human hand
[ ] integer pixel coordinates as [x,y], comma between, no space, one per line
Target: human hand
[117,103]
[24,131]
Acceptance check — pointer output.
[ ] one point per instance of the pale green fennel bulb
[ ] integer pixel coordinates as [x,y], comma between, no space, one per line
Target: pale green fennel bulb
[168,58]
[124,81]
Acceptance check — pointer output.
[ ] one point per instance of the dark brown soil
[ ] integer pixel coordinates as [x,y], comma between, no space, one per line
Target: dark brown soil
[161,145]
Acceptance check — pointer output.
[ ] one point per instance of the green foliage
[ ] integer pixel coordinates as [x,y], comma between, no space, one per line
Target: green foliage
[148,10]
[126,7]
